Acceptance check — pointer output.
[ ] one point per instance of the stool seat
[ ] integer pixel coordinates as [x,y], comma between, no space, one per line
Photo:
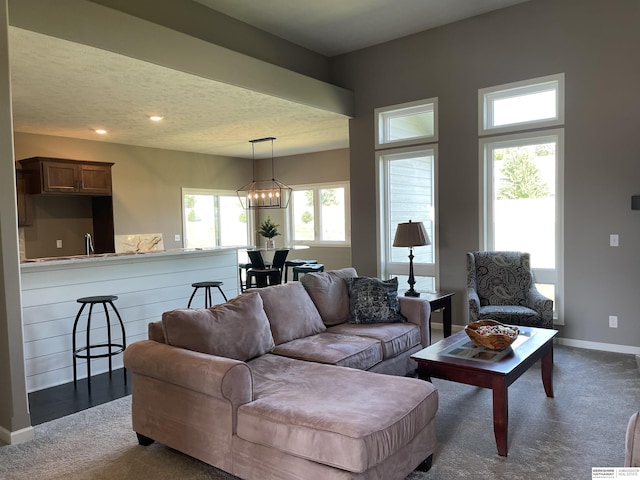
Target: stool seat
[307,268]
[88,350]
[208,285]
[97,299]
[296,262]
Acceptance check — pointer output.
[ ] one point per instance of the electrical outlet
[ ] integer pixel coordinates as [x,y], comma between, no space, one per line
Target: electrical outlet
[176,238]
[614,240]
[613,321]
[58,243]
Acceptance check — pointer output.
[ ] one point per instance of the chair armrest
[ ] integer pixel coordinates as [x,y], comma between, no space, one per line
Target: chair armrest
[542,305]
[220,377]
[474,304]
[418,311]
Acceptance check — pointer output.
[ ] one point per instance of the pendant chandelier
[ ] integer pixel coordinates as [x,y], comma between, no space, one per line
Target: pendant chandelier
[264,193]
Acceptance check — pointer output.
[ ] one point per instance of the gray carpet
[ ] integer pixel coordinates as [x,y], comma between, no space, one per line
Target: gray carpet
[549,438]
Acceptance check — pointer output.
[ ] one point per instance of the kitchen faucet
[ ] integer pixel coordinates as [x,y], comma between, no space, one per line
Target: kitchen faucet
[88,244]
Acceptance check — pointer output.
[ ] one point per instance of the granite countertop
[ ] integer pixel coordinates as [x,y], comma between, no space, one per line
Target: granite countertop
[99,257]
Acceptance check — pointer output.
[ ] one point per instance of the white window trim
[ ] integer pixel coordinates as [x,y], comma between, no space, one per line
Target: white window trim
[379,127]
[419,269]
[205,191]
[486,241]
[347,213]
[532,85]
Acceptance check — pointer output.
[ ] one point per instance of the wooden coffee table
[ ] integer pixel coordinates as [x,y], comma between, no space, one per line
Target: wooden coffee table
[455,358]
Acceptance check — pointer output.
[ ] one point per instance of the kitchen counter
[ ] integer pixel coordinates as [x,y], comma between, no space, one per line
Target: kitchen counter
[147,284]
[71,259]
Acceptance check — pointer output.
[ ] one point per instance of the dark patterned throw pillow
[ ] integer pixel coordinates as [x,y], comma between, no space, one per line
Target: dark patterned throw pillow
[372,300]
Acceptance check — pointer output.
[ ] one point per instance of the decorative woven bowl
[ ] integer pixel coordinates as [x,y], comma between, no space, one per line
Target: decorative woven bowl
[491,334]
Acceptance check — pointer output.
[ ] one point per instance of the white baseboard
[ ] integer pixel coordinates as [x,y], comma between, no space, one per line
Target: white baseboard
[13,438]
[605,347]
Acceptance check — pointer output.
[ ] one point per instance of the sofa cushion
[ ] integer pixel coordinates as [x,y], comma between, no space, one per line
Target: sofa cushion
[632,442]
[290,311]
[238,329]
[372,300]
[336,349]
[330,294]
[342,417]
[394,338]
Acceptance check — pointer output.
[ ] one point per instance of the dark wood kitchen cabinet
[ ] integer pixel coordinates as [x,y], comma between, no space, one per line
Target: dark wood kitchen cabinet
[24,205]
[71,177]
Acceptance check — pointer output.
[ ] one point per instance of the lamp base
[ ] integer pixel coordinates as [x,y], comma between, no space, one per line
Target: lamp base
[411,293]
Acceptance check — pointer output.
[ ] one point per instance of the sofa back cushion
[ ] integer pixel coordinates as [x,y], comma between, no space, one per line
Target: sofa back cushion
[329,294]
[290,311]
[238,329]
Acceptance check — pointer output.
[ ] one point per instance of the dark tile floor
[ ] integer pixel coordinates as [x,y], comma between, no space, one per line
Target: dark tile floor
[62,400]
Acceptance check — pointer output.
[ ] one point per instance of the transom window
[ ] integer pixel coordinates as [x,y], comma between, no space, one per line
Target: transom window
[534,103]
[407,123]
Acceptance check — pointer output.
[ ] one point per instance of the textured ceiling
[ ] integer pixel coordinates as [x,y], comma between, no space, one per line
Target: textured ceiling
[66,89]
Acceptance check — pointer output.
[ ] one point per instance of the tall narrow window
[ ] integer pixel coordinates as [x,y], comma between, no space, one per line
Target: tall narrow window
[408,193]
[212,218]
[408,186]
[522,187]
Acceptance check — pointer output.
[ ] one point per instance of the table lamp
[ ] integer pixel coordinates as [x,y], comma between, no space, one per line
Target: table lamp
[411,234]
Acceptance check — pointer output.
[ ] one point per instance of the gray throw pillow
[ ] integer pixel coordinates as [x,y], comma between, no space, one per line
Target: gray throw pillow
[372,300]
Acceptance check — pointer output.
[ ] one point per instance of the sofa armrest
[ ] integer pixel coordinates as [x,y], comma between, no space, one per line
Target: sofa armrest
[417,310]
[220,377]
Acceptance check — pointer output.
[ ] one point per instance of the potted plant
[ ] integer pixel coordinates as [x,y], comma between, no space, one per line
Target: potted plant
[268,230]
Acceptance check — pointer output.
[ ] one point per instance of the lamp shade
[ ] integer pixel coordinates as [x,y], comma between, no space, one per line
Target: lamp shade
[411,234]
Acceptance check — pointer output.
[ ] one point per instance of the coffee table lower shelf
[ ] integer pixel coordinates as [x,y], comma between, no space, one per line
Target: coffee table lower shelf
[456,359]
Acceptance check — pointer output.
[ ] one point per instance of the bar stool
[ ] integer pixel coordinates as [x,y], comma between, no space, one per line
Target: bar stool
[307,268]
[295,263]
[104,300]
[207,292]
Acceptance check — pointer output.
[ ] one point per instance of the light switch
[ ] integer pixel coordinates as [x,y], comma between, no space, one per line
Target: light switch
[614,240]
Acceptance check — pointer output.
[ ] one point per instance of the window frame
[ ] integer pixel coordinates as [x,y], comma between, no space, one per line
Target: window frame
[486,146]
[215,193]
[486,97]
[383,114]
[317,215]
[388,267]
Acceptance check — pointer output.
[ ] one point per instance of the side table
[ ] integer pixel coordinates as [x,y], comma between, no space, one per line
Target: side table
[441,301]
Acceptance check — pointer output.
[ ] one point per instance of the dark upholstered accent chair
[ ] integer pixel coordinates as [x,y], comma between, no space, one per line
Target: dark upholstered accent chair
[500,286]
[265,276]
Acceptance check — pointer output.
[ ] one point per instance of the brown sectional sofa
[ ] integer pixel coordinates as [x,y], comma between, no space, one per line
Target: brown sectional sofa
[272,385]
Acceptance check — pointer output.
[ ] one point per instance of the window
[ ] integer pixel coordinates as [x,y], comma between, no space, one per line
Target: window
[408,193]
[407,188]
[213,218]
[521,105]
[522,177]
[319,214]
[407,124]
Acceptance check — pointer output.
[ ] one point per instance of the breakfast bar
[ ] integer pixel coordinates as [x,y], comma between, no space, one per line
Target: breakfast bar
[146,284]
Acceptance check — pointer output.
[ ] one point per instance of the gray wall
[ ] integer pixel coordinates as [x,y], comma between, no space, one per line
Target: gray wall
[595,44]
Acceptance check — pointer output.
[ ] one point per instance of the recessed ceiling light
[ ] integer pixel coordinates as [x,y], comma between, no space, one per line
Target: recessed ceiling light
[100,131]
[156,118]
